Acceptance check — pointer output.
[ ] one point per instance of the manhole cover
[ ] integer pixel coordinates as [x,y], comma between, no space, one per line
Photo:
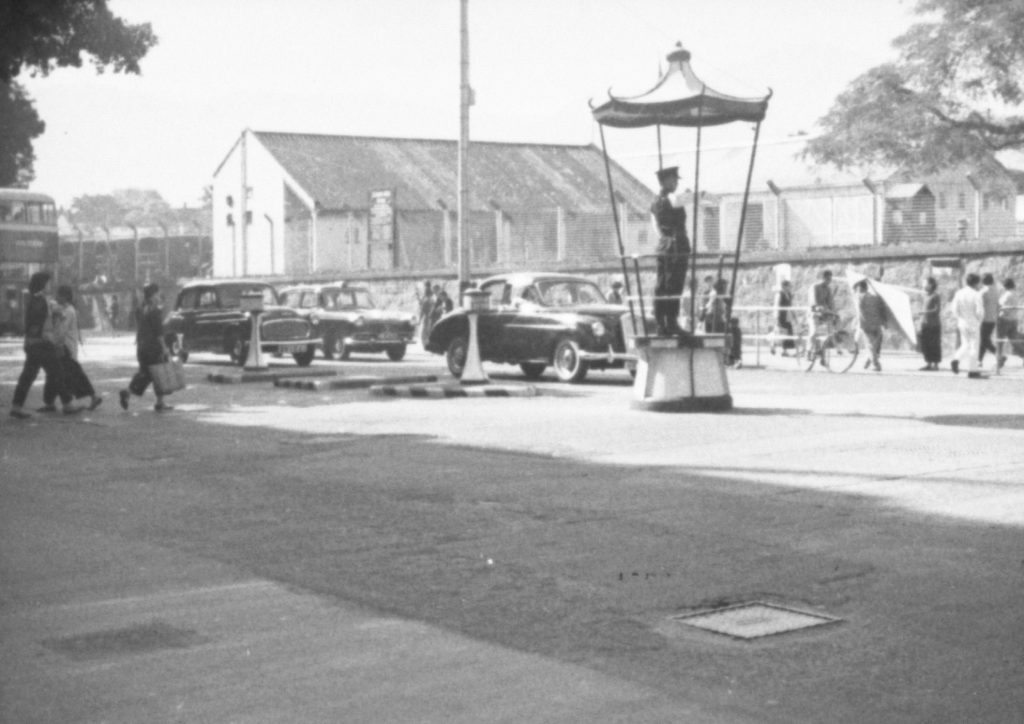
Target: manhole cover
[754,620]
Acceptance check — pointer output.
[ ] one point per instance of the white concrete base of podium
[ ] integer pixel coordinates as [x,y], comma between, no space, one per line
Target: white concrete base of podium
[681,374]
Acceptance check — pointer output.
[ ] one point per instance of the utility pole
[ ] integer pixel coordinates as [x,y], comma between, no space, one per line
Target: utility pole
[466,100]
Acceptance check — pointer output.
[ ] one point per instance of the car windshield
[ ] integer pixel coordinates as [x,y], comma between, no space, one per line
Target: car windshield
[569,292]
[347,299]
[231,295]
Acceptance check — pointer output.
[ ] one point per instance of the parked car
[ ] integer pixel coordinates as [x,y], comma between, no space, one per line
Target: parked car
[212,316]
[349,321]
[537,320]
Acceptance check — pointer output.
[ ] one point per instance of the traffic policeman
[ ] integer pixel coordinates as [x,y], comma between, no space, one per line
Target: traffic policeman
[672,254]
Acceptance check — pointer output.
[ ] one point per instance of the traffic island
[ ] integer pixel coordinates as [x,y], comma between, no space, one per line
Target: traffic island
[681,374]
[437,392]
[350,383]
[267,375]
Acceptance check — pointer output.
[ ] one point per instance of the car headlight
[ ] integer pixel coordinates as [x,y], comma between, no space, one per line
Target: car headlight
[597,329]
[359,322]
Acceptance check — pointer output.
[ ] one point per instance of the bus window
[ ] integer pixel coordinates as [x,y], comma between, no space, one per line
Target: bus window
[12,211]
[34,213]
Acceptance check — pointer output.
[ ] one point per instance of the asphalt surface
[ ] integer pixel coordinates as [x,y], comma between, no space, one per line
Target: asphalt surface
[263,554]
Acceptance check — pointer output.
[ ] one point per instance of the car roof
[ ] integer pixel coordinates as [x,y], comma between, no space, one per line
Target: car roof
[225,283]
[525,278]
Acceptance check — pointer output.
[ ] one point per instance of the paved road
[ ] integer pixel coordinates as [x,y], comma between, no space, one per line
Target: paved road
[272,555]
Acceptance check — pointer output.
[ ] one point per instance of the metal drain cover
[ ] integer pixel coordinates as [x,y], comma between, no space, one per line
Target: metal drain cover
[754,620]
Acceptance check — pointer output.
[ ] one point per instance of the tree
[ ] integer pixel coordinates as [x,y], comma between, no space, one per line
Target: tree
[40,35]
[137,207]
[955,94]
[21,124]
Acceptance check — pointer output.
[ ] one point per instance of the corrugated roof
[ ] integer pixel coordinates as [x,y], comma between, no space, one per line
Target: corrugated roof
[340,171]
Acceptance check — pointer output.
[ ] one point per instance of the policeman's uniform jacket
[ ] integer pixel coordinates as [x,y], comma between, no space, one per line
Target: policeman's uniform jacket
[671,224]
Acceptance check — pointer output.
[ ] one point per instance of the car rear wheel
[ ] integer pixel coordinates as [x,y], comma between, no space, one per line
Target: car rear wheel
[533,370]
[239,350]
[305,358]
[395,354]
[455,355]
[567,362]
[175,348]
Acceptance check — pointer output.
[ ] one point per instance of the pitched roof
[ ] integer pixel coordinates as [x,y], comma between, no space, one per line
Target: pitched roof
[340,171]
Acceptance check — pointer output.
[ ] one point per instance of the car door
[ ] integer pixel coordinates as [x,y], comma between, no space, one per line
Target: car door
[209,320]
[492,325]
[528,329]
[186,314]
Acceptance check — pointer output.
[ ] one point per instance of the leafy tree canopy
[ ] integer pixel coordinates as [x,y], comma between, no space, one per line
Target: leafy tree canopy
[41,35]
[20,125]
[136,207]
[955,94]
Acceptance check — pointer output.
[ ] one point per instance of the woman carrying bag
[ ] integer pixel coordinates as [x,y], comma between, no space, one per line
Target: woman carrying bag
[149,348]
[68,337]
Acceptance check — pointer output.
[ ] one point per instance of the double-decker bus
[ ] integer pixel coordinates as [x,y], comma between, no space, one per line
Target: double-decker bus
[28,243]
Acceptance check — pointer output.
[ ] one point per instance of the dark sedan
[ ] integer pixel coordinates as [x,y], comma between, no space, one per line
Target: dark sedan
[537,320]
[215,316]
[349,321]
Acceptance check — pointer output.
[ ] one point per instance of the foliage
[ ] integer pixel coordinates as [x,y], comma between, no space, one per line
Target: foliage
[41,35]
[954,95]
[135,207]
[20,126]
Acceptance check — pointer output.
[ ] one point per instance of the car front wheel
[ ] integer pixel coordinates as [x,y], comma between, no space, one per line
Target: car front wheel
[329,347]
[567,362]
[455,355]
[533,370]
[239,351]
[305,358]
[175,348]
[339,350]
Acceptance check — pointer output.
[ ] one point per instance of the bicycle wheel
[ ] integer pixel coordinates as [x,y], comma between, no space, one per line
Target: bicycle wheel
[810,354]
[842,352]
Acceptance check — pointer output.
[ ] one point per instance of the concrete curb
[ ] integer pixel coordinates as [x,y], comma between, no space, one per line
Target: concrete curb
[449,391]
[350,383]
[232,378]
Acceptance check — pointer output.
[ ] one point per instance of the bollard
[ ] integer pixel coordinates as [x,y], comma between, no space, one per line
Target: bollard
[253,304]
[473,371]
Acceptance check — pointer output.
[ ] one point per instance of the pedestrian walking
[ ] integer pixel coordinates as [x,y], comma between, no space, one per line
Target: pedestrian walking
[442,304]
[615,295]
[68,337]
[115,312]
[871,319]
[1006,325]
[821,299]
[930,333]
[41,351]
[990,298]
[703,298]
[969,311]
[426,312]
[150,348]
[672,254]
[716,320]
[783,317]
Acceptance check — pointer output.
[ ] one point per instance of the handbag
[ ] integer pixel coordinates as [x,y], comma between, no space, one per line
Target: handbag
[168,376]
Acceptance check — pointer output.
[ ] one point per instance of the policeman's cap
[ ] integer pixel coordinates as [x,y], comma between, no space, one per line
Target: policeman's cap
[667,173]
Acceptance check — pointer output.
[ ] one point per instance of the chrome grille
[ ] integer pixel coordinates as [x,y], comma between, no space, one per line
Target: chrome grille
[284,330]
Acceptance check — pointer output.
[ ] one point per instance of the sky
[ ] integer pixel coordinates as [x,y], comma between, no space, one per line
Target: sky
[391,68]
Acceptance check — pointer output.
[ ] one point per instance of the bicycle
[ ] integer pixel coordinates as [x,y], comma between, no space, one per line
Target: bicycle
[836,350]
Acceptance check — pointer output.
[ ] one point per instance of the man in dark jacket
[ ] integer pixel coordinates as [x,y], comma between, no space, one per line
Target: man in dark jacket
[673,254]
[41,352]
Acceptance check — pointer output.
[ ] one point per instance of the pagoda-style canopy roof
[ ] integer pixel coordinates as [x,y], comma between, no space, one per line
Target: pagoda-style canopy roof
[680,98]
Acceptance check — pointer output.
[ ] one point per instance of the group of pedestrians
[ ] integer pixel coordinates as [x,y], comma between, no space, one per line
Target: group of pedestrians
[434,304]
[52,342]
[980,311]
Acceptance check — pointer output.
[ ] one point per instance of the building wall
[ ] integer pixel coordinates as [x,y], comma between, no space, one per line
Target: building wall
[256,242]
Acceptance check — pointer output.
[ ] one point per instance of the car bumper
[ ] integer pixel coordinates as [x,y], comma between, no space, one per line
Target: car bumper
[609,356]
[291,347]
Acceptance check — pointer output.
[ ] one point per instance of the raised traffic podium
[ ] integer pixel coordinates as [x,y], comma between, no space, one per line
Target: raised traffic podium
[681,374]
